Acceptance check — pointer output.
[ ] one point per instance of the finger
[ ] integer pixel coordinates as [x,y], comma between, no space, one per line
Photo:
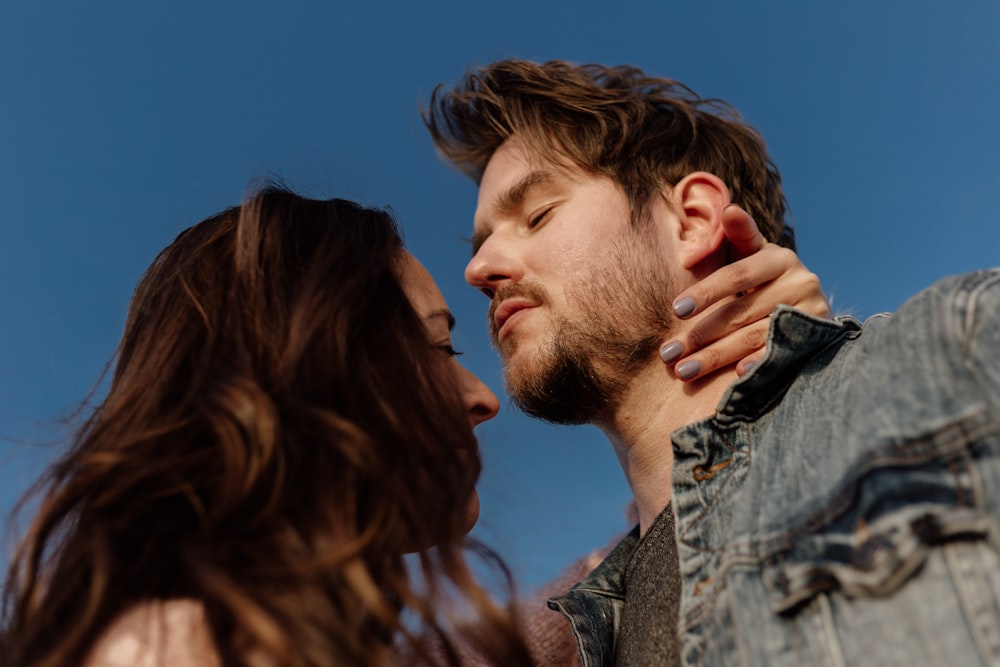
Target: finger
[742,233]
[748,363]
[736,278]
[816,304]
[727,317]
[725,352]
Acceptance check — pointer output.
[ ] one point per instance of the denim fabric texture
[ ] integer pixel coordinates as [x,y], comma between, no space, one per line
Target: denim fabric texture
[843,505]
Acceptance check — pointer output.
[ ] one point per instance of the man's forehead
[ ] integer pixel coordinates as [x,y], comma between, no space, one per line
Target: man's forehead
[507,160]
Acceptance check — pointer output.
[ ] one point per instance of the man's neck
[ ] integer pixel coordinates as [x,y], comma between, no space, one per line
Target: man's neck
[653,406]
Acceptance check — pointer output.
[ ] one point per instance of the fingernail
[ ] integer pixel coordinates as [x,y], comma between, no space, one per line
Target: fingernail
[671,351]
[748,366]
[684,307]
[688,369]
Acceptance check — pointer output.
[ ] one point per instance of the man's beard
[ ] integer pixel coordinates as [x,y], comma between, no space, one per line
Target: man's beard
[622,315]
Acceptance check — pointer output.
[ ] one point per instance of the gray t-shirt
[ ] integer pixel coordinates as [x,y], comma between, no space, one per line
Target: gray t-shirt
[648,631]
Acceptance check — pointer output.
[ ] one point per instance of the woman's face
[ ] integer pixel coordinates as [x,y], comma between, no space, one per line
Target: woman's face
[481,404]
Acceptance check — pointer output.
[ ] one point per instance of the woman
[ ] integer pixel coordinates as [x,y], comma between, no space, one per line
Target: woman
[285,422]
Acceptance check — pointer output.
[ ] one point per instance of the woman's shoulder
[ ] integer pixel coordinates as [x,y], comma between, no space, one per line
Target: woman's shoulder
[157,634]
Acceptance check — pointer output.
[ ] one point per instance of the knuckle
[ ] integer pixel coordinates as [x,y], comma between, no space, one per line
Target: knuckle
[787,256]
[811,282]
[738,312]
[741,277]
[817,306]
[711,359]
[755,338]
[697,338]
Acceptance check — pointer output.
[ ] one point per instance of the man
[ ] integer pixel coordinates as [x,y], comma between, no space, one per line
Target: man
[838,504]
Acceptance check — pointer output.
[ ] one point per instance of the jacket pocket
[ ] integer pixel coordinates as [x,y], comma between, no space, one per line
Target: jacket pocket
[894,505]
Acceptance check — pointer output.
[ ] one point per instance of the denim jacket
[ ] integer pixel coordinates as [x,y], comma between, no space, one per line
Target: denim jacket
[843,505]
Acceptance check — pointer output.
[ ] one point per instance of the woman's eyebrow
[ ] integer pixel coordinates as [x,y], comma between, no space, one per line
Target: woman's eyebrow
[446,314]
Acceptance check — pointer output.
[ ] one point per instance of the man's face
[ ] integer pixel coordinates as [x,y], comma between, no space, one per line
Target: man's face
[580,298]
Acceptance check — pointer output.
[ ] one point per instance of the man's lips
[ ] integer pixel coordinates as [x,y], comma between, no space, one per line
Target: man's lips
[507,310]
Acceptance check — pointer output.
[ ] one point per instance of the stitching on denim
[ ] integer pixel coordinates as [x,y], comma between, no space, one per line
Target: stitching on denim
[974,603]
[980,283]
[702,475]
[723,483]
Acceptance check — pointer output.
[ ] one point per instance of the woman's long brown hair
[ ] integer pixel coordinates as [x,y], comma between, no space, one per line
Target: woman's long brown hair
[278,432]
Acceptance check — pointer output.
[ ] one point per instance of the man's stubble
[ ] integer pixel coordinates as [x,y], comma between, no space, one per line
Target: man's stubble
[620,316]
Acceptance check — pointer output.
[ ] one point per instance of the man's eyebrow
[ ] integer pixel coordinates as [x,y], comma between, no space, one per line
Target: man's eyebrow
[446,314]
[511,199]
[508,201]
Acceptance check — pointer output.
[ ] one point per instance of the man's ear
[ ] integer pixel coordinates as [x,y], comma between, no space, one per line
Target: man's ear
[700,198]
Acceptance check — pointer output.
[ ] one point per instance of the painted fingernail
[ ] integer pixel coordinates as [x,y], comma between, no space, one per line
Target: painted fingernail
[748,366]
[688,369]
[684,307]
[671,352]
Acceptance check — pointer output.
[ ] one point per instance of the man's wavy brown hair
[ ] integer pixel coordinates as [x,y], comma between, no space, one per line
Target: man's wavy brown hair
[642,132]
[278,432]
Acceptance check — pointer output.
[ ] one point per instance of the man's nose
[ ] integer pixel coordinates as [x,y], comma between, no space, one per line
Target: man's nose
[493,266]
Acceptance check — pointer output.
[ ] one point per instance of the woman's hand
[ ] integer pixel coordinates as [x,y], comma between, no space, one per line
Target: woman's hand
[733,305]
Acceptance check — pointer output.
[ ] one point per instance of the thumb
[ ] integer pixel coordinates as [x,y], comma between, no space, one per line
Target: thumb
[741,232]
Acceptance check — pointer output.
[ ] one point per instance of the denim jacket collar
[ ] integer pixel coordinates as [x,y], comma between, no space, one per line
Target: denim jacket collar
[793,340]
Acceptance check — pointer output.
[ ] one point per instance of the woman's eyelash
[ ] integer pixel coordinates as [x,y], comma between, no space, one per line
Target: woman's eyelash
[449,350]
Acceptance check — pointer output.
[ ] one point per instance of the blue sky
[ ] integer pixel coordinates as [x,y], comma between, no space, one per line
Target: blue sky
[122,123]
